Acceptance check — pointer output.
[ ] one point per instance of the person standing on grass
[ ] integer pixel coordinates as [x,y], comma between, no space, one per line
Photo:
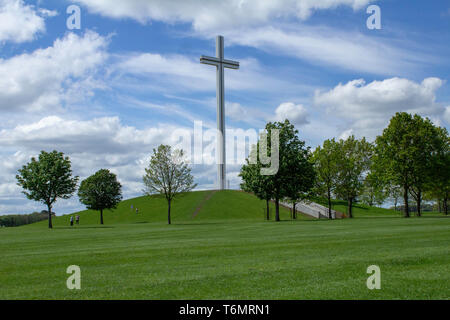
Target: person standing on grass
[77,219]
[71,221]
[137,210]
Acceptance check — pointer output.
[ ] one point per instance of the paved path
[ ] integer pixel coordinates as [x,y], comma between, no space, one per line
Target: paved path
[314,210]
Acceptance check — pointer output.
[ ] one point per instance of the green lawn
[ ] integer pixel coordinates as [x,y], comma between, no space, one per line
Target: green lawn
[226,251]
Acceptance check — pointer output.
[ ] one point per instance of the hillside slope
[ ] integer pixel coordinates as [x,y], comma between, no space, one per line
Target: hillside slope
[190,207]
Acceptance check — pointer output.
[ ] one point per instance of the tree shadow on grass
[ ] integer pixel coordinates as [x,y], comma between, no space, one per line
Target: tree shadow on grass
[86,227]
[196,223]
[433,217]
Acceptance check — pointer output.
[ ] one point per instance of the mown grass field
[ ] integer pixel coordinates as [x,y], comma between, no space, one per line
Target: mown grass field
[219,247]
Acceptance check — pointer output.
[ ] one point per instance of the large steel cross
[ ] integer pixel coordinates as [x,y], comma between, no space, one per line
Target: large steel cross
[220,64]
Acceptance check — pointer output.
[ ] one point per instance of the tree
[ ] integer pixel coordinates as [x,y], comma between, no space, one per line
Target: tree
[438,185]
[426,140]
[353,160]
[302,177]
[255,182]
[373,190]
[47,179]
[100,191]
[168,174]
[324,159]
[395,193]
[294,167]
[404,152]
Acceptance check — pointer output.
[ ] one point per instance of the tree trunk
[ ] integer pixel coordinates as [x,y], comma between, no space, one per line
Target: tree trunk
[329,202]
[50,225]
[405,199]
[419,203]
[168,213]
[101,216]
[439,205]
[294,211]
[350,204]
[446,205]
[267,210]
[277,209]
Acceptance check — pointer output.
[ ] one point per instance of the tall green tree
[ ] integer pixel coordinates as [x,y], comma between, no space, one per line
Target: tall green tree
[100,191]
[47,178]
[438,185]
[301,182]
[324,159]
[405,153]
[352,162]
[168,174]
[256,183]
[427,141]
[293,165]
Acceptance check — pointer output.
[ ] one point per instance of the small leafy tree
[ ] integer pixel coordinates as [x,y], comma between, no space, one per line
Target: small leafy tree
[168,174]
[324,160]
[373,190]
[47,179]
[100,191]
[353,162]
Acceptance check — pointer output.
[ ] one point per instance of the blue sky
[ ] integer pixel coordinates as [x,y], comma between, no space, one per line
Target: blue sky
[109,93]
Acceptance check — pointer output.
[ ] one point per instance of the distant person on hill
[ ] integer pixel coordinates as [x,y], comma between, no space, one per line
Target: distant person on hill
[77,219]
[131,207]
[137,210]
[71,221]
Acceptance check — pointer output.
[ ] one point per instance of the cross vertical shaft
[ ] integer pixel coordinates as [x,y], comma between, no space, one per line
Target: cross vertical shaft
[220,63]
[221,166]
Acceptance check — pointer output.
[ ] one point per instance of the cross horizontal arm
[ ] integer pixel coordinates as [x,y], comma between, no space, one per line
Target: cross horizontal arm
[216,61]
[209,60]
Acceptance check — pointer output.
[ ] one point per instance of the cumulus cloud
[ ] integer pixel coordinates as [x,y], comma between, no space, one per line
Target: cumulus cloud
[47,77]
[367,108]
[295,113]
[206,14]
[91,145]
[20,22]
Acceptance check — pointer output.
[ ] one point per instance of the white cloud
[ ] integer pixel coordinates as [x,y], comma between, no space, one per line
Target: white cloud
[330,47]
[268,25]
[48,77]
[447,115]
[90,144]
[367,108]
[173,73]
[20,22]
[207,14]
[235,111]
[295,113]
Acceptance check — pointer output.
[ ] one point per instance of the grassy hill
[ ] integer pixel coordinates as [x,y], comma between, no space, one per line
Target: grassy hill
[220,247]
[203,206]
[187,208]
